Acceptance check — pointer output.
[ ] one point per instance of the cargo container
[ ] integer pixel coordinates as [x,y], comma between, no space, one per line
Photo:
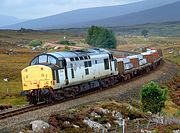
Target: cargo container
[139,56]
[149,57]
[120,67]
[124,64]
[142,62]
[154,53]
[137,60]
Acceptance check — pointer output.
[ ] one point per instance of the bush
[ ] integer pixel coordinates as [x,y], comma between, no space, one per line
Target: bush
[67,43]
[145,33]
[25,30]
[153,97]
[35,43]
[66,48]
[101,37]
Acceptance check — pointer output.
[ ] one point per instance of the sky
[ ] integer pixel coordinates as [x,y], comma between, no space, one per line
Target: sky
[31,9]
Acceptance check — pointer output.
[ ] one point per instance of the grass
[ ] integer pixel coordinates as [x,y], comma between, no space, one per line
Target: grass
[172,54]
[10,67]
[13,36]
[171,109]
[14,100]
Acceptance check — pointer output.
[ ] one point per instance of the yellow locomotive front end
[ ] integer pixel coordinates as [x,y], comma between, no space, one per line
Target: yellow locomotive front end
[40,78]
[37,81]
[37,77]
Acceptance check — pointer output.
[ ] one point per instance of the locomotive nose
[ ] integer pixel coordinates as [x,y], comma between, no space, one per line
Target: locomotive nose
[37,76]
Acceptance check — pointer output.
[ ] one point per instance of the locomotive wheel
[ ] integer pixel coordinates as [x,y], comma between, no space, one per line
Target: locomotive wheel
[154,66]
[127,77]
[33,97]
[147,69]
[49,98]
[69,94]
[33,100]
[73,94]
[46,98]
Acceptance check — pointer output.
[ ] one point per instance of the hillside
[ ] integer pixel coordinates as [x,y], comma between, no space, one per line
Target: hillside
[155,29]
[70,19]
[8,20]
[167,13]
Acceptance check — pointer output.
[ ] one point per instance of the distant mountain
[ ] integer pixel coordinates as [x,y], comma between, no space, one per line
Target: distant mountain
[155,29]
[9,20]
[167,13]
[69,19]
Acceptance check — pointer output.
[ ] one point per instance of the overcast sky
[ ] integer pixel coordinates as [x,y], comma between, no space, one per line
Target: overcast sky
[29,9]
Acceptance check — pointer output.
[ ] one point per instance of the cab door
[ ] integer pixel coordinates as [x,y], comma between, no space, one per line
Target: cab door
[62,77]
[56,79]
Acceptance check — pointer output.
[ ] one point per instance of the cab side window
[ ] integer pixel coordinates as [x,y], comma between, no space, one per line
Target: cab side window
[106,64]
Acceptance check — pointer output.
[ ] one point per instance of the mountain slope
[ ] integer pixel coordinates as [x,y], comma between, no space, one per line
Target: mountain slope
[8,20]
[165,13]
[89,14]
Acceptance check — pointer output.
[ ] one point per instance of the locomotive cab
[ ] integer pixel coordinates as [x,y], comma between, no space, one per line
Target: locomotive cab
[43,72]
[46,59]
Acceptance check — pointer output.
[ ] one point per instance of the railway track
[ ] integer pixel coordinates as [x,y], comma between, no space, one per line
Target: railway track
[43,105]
[20,111]
[121,91]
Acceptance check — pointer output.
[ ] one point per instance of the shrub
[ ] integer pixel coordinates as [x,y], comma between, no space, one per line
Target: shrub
[25,30]
[66,48]
[35,43]
[67,43]
[145,33]
[153,97]
[101,37]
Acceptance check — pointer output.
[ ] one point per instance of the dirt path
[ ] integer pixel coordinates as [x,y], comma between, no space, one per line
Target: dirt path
[122,92]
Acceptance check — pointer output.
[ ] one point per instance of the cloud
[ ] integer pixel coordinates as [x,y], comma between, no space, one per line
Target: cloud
[10,3]
[28,9]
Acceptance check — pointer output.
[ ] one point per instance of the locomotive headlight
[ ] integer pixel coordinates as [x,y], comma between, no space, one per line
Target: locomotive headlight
[42,75]
[35,82]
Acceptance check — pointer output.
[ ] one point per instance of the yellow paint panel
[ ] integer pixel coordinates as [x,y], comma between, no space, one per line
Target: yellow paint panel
[37,76]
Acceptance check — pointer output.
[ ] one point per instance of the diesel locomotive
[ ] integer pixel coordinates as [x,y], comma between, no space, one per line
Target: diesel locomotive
[59,75]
